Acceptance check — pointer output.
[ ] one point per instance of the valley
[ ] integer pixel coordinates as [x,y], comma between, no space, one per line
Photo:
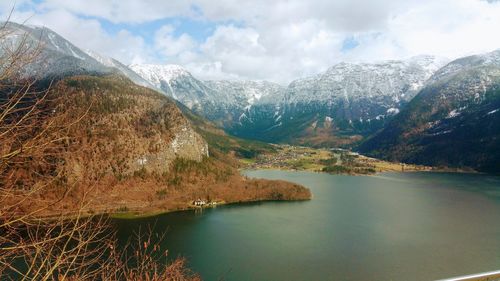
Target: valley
[339,107]
[155,137]
[379,162]
[423,111]
[365,107]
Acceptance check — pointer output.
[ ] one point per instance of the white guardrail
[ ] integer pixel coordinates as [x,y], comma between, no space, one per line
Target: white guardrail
[485,276]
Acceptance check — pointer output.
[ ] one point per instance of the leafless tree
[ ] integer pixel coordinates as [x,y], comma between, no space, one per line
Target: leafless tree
[33,143]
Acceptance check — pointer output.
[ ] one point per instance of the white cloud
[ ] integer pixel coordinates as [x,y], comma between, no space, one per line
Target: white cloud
[451,27]
[277,40]
[120,11]
[283,54]
[89,34]
[306,37]
[169,45]
[210,70]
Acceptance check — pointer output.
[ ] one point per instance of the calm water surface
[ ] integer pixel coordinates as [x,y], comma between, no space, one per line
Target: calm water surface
[412,226]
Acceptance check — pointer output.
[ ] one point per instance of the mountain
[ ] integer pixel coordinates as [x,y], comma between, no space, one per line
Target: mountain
[224,102]
[129,148]
[453,121]
[123,69]
[246,93]
[54,57]
[341,106]
[247,100]
[133,128]
[177,83]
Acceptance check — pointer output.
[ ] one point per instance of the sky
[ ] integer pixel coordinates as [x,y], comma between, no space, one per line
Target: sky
[278,40]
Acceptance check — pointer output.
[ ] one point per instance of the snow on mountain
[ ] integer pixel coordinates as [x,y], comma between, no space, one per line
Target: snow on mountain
[123,69]
[363,91]
[158,74]
[247,93]
[357,97]
[55,57]
[176,82]
[448,122]
[470,63]
[180,84]
[465,82]
[107,61]
[225,102]
[389,81]
[243,96]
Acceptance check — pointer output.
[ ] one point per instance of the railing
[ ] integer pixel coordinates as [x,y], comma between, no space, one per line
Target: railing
[485,276]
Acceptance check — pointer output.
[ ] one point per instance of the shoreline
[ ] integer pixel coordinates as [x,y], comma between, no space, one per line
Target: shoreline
[277,190]
[152,211]
[113,212]
[432,170]
[139,215]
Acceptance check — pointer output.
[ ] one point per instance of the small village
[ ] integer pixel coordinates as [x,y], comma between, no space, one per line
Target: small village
[288,157]
[333,160]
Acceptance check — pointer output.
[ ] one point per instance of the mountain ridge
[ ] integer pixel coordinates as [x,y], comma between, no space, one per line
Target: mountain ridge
[258,110]
[342,106]
[453,121]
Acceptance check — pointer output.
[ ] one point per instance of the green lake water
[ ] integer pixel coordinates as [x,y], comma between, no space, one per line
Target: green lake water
[393,226]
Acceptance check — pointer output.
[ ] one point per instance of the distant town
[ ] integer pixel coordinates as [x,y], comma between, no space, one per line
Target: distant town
[333,160]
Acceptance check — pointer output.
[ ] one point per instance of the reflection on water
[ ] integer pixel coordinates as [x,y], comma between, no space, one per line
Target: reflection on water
[413,226]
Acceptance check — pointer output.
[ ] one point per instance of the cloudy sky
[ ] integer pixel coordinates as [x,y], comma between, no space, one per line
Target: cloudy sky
[277,40]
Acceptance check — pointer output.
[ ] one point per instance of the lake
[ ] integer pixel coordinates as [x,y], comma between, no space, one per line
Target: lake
[392,226]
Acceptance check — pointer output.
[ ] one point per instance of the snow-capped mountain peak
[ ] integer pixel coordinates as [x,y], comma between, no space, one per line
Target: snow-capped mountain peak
[248,92]
[56,56]
[123,69]
[107,61]
[156,73]
[491,59]
[178,83]
[395,79]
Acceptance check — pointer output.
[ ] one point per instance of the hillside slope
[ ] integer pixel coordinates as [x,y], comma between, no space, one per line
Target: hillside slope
[454,121]
[132,149]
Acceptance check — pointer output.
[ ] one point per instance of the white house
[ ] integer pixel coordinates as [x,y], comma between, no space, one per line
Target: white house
[199,202]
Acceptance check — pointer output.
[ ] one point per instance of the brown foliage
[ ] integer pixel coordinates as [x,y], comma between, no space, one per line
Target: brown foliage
[70,152]
[122,123]
[34,144]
